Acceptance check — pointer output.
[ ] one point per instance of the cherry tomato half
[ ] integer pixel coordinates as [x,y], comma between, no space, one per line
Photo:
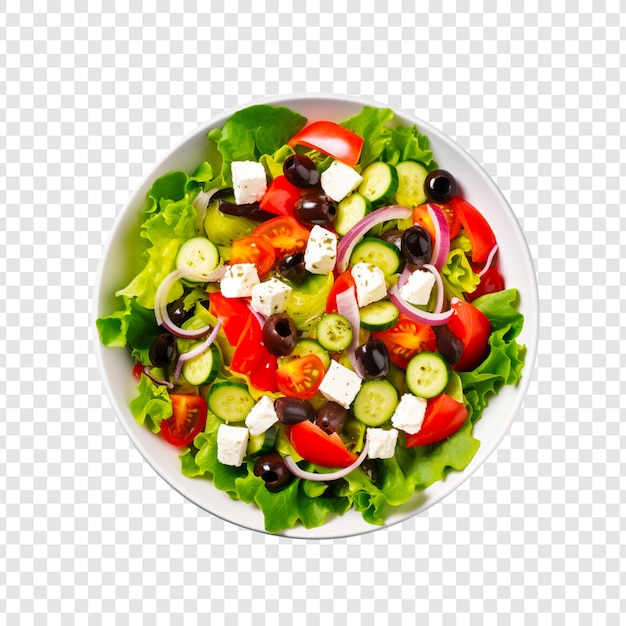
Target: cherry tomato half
[473,329]
[319,448]
[285,235]
[422,217]
[332,139]
[444,416]
[300,377]
[189,413]
[253,249]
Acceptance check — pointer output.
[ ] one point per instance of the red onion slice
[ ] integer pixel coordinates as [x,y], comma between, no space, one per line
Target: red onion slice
[350,239]
[489,260]
[300,473]
[197,351]
[155,380]
[438,284]
[201,204]
[441,245]
[348,307]
[417,315]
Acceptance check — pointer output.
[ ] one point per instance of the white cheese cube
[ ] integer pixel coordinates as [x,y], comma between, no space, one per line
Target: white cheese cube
[320,255]
[249,181]
[239,280]
[382,443]
[417,288]
[340,384]
[339,180]
[232,442]
[270,297]
[370,283]
[261,416]
[409,413]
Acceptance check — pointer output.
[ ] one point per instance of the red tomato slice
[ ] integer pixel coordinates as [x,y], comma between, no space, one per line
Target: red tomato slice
[300,377]
[284,233]
[473,329]
[232,313]
[189,413]
[256,250]
[476,228]
[344,281]
[421,217]
[280,197]
[406,339]
[319,448]
[138,370]
[248,351]
[332,139]
[444,416]
[490,282]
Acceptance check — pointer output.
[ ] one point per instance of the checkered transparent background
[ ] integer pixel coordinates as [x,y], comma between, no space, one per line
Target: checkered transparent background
[89,101]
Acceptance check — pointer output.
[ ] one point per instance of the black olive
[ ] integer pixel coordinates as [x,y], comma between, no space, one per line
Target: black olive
[162,350]
[315,209]
[440,186]
[416,245]
[331,418]
[370,467]
[280,334]
[394,237]
[448,344]
[292,267]
[176,311]
[300,171]
[292,411]
[272,469]
[373,358]
[252,211]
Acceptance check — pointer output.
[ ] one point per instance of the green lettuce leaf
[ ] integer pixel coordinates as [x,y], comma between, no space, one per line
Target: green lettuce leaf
[273,163]
[151,405]
[371,125]
[457,275]
[406,143]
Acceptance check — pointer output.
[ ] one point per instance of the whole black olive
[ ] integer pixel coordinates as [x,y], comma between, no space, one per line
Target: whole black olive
[300,171]
[315,209]
[176,311]
[440,186]
[162,350]
[394,237]
[448,344]
[331,418]
[373,358]
[292,267]
[292,411]
[370,467]
[272,469]
[280,334]
[416,245]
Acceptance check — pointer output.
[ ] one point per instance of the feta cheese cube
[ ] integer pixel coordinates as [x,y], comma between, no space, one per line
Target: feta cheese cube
[382,443]
[270,297]
[239,280]
[321,251]
[232,442]
[417,288]
[339,180]
[249,181]
[409,413]
[261,416]
[340,385]
[370,283]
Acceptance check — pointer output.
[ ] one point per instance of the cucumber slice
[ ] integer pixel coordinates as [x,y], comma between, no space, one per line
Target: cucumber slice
[230,401]
[198,254]
[203,369]
[380,183]
[334,332]
[411,178]
[304,347]
[350,211]
[263,443]
[427,374]
[375,402]
[377,252]
[379,315]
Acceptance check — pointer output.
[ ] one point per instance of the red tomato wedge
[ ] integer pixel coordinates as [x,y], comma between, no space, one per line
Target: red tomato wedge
[319,448]
[332,139]
[344,281]
[444,416]
[490,282]
[280,197]
[138,370]
[232,313]
[284,233]
[256,250]
[477,229]
[300,377]
[189,413]
[473,329]
[406,339]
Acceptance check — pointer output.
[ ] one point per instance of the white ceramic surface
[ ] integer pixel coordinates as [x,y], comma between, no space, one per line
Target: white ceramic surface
[115,271]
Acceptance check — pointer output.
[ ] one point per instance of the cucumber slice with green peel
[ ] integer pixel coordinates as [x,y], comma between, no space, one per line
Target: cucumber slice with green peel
[380,183]
[380,315]
[199,255]
[334,332]
[230,401]
[263,443]
[203,369]
[304,347]
[350,211]
[427,374]
[377,252]
[375,403]
[411,178]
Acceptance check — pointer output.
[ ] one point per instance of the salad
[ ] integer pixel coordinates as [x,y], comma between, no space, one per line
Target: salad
[320,319]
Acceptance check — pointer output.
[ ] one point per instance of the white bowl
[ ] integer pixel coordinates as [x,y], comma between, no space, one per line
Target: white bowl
[117,268]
